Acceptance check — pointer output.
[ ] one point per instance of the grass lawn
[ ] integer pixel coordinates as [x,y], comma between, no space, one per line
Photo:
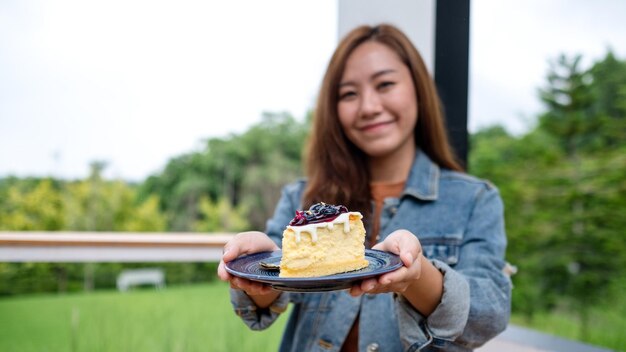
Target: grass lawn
[191,318]
[194,318]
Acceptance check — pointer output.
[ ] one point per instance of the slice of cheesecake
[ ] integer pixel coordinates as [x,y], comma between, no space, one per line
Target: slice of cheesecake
[324,240]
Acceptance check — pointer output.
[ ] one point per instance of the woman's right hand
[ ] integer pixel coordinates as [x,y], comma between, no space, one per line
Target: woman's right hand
[248,243]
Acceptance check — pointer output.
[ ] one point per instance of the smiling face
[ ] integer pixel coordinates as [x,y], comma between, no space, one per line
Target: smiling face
[377,102]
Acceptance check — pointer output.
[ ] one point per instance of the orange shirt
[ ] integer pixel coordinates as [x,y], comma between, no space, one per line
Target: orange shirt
[380,191]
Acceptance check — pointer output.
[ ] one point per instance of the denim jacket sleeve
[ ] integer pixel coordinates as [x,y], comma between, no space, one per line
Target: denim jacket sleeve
[475,305]
[254,317]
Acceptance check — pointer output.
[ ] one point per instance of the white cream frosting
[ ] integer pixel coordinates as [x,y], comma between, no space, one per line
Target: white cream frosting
[343,218]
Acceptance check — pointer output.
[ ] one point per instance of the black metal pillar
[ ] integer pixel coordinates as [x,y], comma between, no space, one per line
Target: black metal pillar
[452,68]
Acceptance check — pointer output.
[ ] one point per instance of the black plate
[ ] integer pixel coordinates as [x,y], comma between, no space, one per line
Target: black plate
[249,267]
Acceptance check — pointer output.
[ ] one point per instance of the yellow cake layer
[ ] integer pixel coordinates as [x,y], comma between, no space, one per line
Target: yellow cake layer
[334,251]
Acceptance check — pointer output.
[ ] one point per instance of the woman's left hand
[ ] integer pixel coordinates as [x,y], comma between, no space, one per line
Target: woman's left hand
[408,247]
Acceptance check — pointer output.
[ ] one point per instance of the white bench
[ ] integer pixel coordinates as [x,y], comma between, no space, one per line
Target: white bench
[134,277]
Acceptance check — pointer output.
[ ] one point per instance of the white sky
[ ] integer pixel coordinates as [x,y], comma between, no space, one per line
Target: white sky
[138,82]
[510,45]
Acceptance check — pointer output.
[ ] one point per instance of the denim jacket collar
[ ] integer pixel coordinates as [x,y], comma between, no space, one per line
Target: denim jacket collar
[423,181]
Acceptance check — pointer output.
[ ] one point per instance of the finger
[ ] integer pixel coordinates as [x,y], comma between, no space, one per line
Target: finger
[265,289]
[415,270]
[250,287]
[409,244]
[390,244]
[380,286]
[405,245]
[239,283]
[403,274]
[394,276]
[396,240]
[369,285]
[233,284]
[380,246]
[231,251]
[355,290]
[248,243]
[222,273]
[407,258]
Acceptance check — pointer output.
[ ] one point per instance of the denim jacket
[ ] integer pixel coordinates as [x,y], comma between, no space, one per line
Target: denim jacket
[460,224]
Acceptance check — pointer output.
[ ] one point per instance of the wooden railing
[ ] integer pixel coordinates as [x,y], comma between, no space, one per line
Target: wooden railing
[110,247]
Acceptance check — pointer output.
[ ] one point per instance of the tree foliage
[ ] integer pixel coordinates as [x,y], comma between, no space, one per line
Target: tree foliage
[564,187]
[247,170]
[37,207]
[220,216]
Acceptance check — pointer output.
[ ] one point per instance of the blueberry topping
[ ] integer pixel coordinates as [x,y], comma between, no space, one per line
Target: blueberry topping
[320,212]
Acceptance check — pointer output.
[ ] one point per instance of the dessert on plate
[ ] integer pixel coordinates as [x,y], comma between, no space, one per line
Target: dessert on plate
[324,240]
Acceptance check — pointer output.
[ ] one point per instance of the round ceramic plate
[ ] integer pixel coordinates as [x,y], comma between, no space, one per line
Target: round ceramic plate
[258,267]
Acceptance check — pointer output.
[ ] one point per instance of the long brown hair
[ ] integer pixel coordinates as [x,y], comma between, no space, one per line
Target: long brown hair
[336,169]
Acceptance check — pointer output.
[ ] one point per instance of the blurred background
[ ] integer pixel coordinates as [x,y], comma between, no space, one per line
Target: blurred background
[163,117]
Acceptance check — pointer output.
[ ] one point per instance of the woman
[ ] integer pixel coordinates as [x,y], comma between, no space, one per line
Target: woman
[379,146]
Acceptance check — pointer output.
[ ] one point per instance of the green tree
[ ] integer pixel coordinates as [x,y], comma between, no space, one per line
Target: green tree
[96,204]
[40,208]
[579,259]
[220,216]
[247,169]
[146,217]
[609,104]
[517,165]
[569,99]
[563,188]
